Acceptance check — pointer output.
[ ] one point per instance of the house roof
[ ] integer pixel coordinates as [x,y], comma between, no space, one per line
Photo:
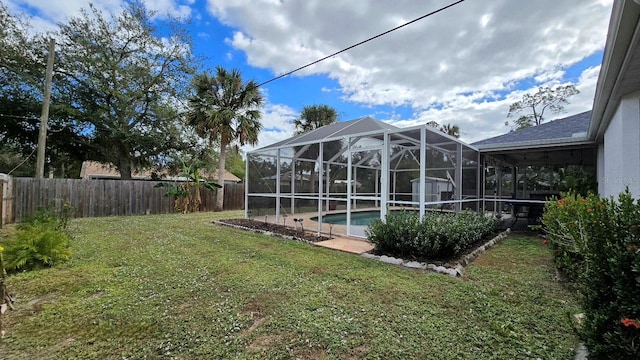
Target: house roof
[334,131]
[620,70]
[569,129]
[94,169]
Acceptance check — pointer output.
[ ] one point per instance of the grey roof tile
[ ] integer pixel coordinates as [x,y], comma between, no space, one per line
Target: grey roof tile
[565,128]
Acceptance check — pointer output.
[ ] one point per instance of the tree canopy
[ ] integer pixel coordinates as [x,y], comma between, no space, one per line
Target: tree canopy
[116,94]
[315,116]
[537,104]
[449,129]
[122,84]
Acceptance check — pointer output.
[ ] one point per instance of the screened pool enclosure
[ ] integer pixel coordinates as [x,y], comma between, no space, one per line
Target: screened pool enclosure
[342,170]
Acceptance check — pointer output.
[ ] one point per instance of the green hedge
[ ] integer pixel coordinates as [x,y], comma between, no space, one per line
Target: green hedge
[437,236]
[597,242]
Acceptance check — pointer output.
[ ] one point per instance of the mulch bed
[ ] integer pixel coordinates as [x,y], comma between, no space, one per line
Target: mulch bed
[275,229]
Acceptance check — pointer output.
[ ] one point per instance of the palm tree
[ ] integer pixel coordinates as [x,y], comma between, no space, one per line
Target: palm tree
[311,118]
[453,130]
[315,116]
[225,109]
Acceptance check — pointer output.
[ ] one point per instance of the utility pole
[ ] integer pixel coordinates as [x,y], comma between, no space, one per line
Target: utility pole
[44,118]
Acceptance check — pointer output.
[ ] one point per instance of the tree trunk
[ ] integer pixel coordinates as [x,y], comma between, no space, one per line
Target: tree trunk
[221,172]
[125,169]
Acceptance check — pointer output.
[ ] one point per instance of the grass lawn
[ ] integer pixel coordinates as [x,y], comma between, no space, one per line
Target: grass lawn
[176,286]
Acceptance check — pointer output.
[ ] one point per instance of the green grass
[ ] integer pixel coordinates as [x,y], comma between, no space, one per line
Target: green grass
[176,286]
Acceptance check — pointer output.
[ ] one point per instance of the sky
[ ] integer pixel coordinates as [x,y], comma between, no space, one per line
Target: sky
[463,66]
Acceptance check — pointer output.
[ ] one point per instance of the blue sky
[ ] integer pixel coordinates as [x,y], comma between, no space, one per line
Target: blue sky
[463,66]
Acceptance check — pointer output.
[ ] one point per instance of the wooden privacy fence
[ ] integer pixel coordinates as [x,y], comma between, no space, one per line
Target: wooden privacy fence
[94,198]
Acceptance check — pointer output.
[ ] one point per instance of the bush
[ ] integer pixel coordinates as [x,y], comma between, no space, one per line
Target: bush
[565,222]
[42,240]
[59,219]
[437,236]
[602,241]
[37,245]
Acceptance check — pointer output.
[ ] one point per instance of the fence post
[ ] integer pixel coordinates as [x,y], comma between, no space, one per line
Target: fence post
[4,179]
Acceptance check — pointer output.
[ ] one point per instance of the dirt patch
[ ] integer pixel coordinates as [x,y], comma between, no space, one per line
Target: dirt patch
[97,295]
[264,342]
[253,307]
[276,229]
[36,305]
[256,324]
[319,270]
[359,352]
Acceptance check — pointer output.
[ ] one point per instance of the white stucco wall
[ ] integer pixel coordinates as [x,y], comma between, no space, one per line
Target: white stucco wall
[600,168]
[621,150]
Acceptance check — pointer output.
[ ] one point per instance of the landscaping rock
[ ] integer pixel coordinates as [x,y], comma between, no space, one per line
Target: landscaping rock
[415,265]
[441,269]
[390,260]
[370,256]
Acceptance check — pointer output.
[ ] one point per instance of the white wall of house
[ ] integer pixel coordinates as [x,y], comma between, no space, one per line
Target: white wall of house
[600,168]
[619,156]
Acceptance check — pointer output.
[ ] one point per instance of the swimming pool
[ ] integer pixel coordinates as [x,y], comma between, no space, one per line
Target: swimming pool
[362,218]
[359,218]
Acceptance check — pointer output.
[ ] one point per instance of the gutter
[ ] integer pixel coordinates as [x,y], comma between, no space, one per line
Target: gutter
[622,31]
[537,144]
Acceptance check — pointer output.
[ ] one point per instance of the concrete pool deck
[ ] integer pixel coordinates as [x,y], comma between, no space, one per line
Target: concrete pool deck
[337,233]
[350,245]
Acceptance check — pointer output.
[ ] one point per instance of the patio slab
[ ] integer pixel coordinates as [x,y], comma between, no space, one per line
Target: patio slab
[354,246]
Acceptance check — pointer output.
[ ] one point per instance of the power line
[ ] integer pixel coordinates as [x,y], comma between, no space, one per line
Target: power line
[362,42]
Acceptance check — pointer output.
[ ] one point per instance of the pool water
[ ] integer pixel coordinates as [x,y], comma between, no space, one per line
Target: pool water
[360,218]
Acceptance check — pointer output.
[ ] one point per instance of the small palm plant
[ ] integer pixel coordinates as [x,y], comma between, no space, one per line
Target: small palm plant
[187,193]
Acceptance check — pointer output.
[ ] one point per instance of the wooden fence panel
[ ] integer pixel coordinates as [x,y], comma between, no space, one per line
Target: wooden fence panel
[93,198]
[233,196]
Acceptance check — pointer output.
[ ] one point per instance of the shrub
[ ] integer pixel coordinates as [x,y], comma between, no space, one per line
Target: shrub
[437,236]
[602,241]
[42,240]
[565,224]
[59,219]
[37,245]
[398,225]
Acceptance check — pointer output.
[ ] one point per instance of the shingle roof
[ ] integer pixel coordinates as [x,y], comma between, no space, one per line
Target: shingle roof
[334,131]
[574,126]
[97,170]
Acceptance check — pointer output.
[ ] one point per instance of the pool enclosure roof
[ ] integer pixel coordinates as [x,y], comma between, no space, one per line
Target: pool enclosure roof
[335,131]
[367,126]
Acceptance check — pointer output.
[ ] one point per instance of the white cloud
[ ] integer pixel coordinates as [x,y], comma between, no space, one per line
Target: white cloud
[174,8]
[479,120]
[277,123]
[440,66]
[45,14]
